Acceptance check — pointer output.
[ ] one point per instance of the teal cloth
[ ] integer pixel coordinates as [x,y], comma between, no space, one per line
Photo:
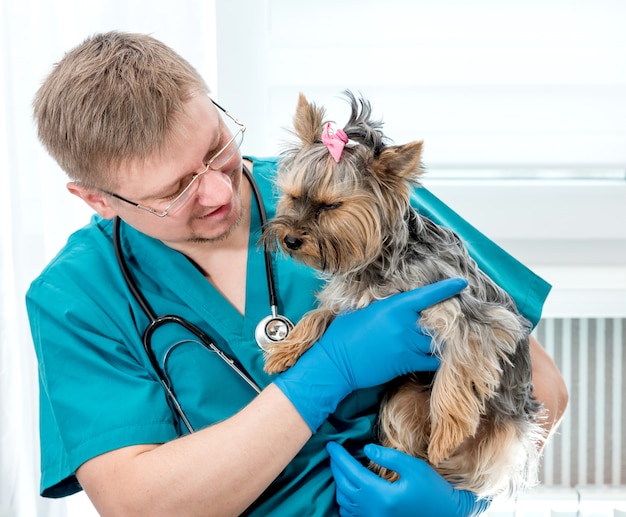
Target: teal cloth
[527,289]
[98,391]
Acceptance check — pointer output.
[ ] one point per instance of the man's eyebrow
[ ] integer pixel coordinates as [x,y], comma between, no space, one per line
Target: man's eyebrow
[165,190]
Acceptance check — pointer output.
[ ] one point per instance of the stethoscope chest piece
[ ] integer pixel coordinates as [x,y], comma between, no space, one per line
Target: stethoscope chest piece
[272,329]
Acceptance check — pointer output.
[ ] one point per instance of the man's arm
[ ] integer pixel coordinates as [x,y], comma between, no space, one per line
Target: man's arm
[549,386]
[219,470]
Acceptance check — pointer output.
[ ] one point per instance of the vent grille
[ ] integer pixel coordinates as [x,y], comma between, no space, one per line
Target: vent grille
[589,446]
[583,472]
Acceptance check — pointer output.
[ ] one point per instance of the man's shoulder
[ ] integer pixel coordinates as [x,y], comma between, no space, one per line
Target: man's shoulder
[86,251]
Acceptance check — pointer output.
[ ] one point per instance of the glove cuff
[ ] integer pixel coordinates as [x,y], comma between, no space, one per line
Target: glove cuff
[315,387]
[475,505]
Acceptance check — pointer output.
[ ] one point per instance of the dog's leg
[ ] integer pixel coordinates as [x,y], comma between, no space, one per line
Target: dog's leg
[472,353]
[499,460]
[454,413]
[404,422]
[309,329]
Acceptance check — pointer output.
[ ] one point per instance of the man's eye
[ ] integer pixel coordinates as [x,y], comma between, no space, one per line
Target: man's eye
[183,184]
[174,194]
[171,196]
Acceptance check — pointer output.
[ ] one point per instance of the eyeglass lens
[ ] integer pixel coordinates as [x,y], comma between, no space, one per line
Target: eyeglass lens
[215,163]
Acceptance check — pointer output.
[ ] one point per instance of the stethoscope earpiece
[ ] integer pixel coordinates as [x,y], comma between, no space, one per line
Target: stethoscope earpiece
[272,329]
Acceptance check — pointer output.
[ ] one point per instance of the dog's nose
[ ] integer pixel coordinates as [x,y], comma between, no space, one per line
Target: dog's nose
[293,243]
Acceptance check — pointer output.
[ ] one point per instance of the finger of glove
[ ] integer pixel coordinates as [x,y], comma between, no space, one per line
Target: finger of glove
[395,460]
[347,512]
[425,362]
[423,297]
[349,474]
[420,473]
[469,505]
[346,505]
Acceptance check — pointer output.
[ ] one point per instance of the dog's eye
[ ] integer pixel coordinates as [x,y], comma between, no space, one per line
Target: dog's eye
[325,207]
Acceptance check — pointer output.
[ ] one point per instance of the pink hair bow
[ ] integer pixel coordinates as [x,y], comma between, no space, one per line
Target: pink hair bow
[335,140]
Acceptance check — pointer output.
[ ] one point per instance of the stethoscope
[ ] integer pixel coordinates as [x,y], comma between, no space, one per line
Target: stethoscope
[271,329]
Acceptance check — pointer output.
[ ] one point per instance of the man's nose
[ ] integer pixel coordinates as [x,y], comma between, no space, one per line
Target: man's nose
[215,188]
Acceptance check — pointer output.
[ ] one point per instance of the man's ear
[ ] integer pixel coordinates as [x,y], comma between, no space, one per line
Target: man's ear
[95,199]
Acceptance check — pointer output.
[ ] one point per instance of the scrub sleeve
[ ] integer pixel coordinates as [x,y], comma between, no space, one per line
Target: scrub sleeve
[96,392]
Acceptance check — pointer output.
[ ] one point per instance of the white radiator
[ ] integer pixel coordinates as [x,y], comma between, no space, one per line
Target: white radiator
[583,470]
[590,501]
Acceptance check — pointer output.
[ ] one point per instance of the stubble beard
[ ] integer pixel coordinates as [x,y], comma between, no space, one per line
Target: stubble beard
[222,236]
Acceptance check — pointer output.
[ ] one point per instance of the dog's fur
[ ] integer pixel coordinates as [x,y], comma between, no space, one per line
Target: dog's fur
[475,420]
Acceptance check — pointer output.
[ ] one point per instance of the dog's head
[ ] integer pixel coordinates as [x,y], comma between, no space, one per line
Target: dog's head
[343,191]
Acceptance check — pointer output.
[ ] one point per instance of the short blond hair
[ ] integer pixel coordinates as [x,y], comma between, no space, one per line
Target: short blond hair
[110,100]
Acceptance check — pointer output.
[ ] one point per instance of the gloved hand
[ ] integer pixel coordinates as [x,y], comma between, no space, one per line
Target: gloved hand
[420,491]
[362,349]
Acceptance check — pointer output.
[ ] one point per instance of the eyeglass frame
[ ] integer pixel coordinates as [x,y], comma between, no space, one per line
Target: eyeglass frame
[194,179]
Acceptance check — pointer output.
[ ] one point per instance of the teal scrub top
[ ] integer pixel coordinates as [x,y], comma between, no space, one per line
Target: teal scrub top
[98,391]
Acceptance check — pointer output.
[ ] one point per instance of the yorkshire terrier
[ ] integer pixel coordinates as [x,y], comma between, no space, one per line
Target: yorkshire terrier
[345,210]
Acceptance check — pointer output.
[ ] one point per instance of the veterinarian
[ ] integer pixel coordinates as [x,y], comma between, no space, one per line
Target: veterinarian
[145,325]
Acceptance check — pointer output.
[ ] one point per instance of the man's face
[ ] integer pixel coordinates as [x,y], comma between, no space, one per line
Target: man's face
[214,210]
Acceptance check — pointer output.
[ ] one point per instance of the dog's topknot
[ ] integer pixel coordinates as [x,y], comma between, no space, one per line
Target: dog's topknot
[310,120]
[361,127]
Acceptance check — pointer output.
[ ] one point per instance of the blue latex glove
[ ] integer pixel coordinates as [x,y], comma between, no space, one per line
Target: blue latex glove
[420,491]
[362,349]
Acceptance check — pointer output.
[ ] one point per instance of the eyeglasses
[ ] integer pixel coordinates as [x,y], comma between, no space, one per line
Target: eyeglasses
[216,162]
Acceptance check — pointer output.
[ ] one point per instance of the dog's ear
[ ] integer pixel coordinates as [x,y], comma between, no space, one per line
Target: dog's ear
[403,161]
[308,121]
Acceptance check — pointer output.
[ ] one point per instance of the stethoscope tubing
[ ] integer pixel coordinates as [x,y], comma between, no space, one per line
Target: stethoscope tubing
[269,270]
[155,321]
[204,338]
[158,321]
